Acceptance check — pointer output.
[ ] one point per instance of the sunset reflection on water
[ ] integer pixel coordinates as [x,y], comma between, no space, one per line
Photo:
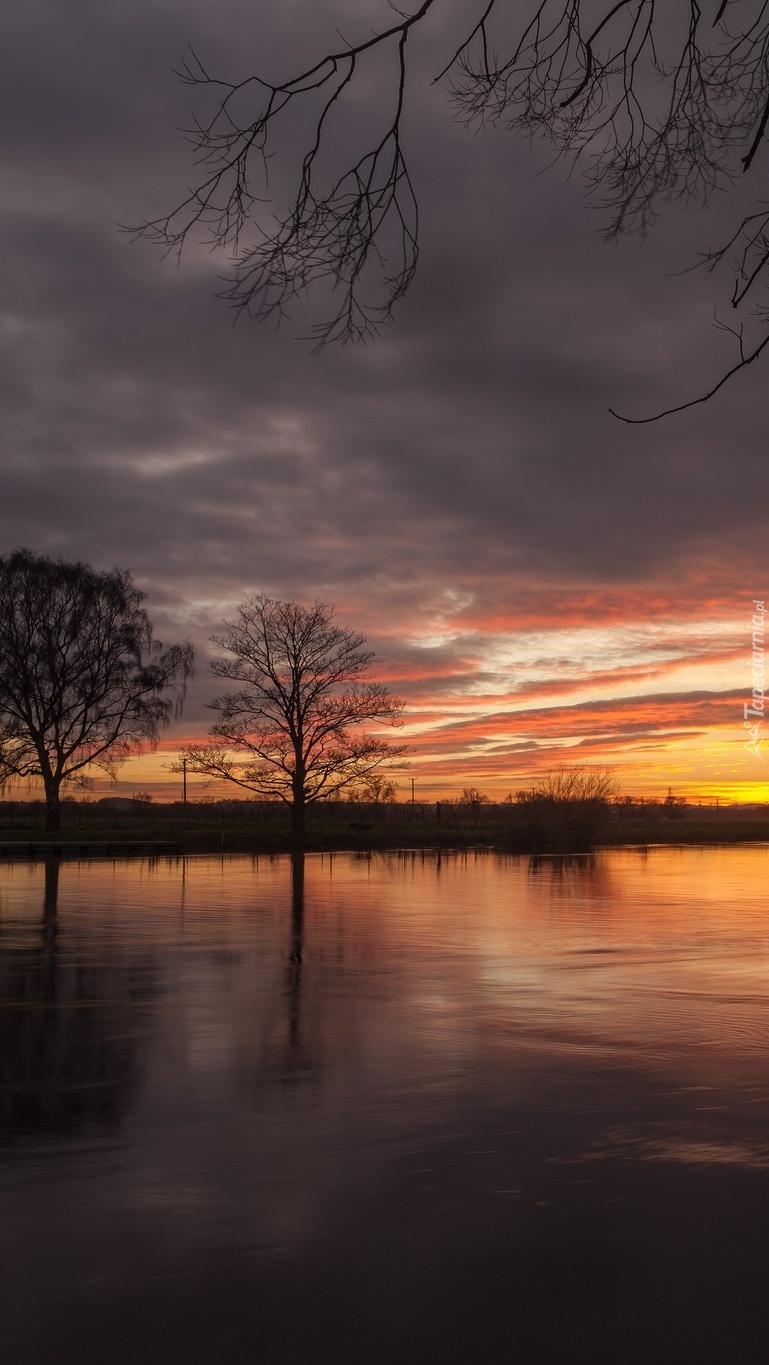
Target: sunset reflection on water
[235,1080]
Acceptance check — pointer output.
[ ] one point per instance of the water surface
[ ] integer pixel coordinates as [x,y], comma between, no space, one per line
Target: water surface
[389,1108]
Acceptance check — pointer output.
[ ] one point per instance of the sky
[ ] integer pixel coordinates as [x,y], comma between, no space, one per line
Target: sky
[541,582]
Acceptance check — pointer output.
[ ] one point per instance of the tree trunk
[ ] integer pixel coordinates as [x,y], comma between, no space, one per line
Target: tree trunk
[298,791]
[52,806]
[297,816]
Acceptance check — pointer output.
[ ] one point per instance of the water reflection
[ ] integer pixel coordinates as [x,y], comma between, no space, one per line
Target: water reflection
[69,1059]
[580,877]
[51,892]
[423,1096]
[295,1064]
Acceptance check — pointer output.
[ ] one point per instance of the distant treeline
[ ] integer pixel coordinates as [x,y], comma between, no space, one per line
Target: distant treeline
[78,812]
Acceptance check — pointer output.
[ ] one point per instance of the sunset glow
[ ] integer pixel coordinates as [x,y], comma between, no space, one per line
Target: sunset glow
[541,582]
[496,697]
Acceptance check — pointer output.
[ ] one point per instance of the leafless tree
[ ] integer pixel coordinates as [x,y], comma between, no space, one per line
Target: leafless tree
[657,101]
[82,681]
[577,782]
[567,808]
[292,729]
[379,790]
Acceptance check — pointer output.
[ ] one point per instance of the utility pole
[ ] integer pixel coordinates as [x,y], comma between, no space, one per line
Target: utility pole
[184,789]
[413,798]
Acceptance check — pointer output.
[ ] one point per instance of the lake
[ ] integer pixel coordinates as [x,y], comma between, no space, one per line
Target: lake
[387,1108]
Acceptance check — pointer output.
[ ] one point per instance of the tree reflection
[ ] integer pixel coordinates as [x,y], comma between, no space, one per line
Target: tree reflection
[294,974]
[570,875]
[288,1049]
[296,1065]
[69,1057]
[50,927]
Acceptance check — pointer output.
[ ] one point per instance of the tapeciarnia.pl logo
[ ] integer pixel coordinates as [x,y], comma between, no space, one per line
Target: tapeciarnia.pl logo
[753,711]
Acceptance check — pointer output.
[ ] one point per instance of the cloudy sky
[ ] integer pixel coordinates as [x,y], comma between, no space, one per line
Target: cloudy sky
[541,581]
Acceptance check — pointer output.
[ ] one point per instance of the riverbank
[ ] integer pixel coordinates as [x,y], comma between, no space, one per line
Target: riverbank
[169,834]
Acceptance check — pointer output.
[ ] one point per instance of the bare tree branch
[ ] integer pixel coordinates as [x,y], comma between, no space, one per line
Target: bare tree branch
[656,102]
[745,358]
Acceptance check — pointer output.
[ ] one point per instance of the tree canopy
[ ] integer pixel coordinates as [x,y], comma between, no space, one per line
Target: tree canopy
[294,728]
[82,680]
[573,783]
[656,102]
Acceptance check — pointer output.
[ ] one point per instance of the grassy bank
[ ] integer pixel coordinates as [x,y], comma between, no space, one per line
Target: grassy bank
[249,827]
[692,831]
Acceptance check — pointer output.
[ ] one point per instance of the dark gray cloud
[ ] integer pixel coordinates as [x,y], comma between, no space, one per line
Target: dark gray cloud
[472,439]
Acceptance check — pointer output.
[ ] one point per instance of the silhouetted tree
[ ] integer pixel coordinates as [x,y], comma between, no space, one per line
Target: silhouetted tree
[568,806]
[378,789]
[574,782]
[662,101]
[292,730]
[82,681]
